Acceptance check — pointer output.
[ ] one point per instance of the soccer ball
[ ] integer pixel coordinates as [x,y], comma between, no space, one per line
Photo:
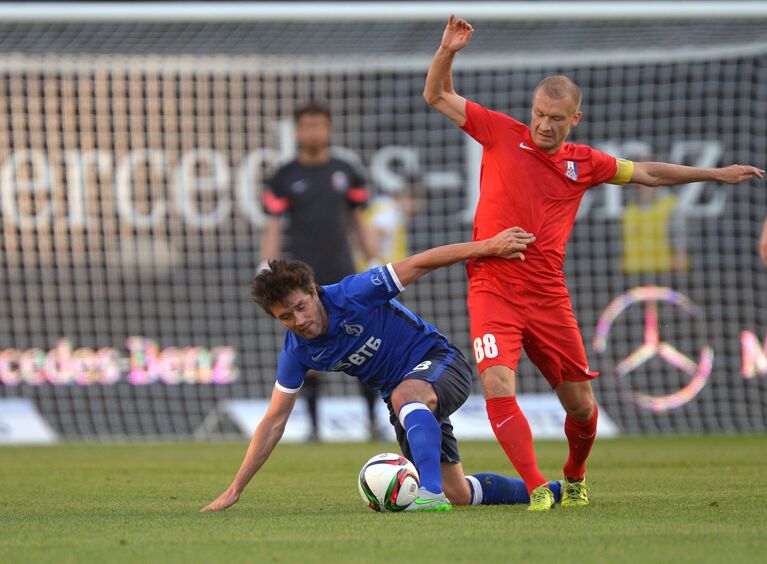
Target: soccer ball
[388,482]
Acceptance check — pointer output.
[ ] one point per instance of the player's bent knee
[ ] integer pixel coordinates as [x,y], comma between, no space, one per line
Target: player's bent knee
[458,496]
[577,398]
[498,381]
[582,412]
[409,391]
[458,493]
[581,409]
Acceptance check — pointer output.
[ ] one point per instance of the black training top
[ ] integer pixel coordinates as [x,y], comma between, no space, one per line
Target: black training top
[316,200]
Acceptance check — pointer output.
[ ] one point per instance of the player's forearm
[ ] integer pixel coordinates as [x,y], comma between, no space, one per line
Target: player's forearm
[439,79]
[265,438]
[412,268]
[364,237]
[667,174]
[270,240]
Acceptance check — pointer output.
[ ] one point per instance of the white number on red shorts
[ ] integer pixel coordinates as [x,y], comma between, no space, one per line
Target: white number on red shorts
[485,347]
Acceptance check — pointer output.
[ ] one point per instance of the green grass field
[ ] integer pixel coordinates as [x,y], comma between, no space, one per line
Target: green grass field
[691,499]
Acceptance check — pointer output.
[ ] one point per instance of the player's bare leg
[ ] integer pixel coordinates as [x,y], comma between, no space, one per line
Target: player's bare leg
[414,402]
[513,432]
[581,428]
[498,381]
[454,484]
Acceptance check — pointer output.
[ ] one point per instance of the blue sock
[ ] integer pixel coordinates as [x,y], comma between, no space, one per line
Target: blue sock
[425,439]
[495,489]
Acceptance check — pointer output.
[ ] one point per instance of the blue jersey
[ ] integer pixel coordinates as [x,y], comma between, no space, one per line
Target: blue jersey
[370,335]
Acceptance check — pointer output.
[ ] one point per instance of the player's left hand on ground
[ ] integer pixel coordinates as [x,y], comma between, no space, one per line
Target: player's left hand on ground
[511,243]
[734,174]
[225,500]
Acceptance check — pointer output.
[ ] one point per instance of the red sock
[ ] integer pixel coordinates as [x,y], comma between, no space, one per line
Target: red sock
[580,435]
[513,432]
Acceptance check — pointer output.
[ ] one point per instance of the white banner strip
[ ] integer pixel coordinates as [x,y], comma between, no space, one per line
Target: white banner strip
[217,12]
[344,419]
[21,423]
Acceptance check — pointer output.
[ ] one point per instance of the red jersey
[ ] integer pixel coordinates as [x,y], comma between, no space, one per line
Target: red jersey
[520,185]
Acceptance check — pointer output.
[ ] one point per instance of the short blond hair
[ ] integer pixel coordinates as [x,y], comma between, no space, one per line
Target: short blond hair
[559,86]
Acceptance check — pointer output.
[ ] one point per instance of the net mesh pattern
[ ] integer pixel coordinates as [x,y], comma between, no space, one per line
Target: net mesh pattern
[131,217]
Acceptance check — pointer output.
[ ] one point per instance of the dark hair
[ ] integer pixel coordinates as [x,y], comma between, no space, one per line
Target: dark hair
[284,276]
[312,108]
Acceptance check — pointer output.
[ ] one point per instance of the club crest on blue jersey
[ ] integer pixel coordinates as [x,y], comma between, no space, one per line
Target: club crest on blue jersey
[571,170]
[352,328]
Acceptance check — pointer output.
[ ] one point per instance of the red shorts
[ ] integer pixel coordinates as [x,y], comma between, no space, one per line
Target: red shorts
[505,317]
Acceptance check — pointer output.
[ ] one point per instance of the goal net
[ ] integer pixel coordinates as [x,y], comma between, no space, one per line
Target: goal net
[131,164]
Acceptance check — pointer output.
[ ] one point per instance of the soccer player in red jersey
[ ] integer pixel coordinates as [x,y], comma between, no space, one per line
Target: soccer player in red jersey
[533,178]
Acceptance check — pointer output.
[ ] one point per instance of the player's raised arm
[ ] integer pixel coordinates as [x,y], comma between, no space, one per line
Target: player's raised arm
[265,438]
[667,174]
[438,90]
[509,244]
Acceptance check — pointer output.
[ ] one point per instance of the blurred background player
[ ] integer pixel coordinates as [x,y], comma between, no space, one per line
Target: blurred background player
[316,200]
[422,377]
[654,232]
[387,219]
[532,178]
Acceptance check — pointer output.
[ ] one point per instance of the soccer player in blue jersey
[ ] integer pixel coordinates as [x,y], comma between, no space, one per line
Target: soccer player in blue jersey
[358,327]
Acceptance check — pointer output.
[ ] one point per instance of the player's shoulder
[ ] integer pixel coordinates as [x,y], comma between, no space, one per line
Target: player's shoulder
[292,345]
[330,293]
[338,161]
[345,158]
[287,164]
[335,297]
[577,151]
[475,109]
[285,169]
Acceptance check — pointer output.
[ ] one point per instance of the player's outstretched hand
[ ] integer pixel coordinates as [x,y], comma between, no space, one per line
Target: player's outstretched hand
[735,174]
[225,500]
[457,34]
[511,243]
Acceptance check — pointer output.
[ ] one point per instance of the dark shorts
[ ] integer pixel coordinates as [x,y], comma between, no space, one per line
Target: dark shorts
[450,376]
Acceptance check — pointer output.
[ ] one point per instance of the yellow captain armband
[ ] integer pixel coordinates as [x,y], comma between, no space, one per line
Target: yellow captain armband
[624,173]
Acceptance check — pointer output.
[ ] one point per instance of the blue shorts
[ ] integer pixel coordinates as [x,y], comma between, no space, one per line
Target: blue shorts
[449,374]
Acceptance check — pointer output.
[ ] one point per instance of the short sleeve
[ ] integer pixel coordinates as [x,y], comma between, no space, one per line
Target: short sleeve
[603,167]
[274,201]
[484,125]
[368,290]
[290,373]
[357,195]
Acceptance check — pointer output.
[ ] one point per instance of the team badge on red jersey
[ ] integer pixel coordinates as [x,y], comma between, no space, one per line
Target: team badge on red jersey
[572,170]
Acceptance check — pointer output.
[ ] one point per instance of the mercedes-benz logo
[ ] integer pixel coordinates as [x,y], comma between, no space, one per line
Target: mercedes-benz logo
[653,346]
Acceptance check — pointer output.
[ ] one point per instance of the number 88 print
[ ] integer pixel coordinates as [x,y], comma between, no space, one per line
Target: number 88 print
[485,347]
